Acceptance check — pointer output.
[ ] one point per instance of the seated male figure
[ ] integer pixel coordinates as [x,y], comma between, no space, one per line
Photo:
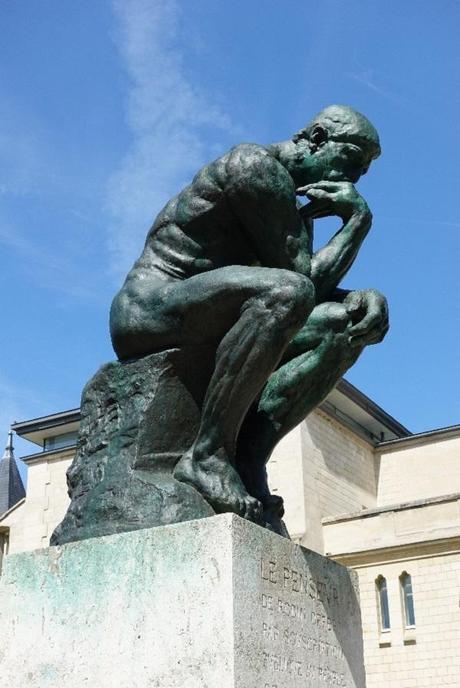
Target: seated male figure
[229,262]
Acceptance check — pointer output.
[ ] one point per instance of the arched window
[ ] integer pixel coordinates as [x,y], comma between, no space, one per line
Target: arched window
[384,610]
[407,599]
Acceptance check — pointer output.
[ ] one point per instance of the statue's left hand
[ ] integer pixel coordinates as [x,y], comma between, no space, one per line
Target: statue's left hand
[368,309]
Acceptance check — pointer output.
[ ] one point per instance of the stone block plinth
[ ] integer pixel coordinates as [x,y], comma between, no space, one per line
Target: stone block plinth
[213,603]
[137,419]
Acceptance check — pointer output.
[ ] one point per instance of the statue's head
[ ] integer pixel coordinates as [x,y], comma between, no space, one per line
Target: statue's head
[341,144]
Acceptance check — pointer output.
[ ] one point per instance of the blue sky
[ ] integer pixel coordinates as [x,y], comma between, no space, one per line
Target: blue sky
[108,108]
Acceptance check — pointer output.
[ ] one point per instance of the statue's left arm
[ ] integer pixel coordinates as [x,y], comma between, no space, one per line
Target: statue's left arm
[368,310]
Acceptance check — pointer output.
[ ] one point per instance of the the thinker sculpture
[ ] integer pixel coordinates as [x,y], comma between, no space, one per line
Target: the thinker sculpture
[228,267]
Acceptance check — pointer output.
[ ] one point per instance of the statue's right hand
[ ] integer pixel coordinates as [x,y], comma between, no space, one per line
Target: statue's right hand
[333,198]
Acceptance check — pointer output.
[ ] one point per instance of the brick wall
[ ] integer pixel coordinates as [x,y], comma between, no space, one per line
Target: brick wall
[322,469]
[33,522]
[429,655]
[429,468]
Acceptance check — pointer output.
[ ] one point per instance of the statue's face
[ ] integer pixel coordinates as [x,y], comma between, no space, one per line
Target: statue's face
[340,161]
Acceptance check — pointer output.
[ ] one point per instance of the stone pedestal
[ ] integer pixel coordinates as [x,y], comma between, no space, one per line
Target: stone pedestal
[137,419]
[218,602]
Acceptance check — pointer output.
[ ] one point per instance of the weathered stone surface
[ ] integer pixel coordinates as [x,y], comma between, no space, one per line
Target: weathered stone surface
[138,418]
[214,602]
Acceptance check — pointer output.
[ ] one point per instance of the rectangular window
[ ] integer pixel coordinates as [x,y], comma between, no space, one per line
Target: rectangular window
[60,441]
[408,599]
[3,545]
[384,610]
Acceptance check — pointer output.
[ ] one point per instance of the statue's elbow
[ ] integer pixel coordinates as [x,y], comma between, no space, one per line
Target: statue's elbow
[118,324]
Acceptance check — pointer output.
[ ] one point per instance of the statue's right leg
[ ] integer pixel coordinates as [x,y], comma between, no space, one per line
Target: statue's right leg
[250,314]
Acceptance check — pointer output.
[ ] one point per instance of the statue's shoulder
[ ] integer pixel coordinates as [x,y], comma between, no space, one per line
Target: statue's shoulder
[247,153]
[252,168]
[231,166]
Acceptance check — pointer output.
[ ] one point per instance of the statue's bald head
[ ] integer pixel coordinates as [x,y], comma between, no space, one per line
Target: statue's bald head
[342,123]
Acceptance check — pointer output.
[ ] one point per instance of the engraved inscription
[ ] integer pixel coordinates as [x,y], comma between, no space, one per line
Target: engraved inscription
[268,571]
[301,640]
[295,611]
[286,665]
[297,631]
[296,581]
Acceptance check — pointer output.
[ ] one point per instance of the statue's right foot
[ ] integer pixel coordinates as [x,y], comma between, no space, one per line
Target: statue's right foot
[219,484]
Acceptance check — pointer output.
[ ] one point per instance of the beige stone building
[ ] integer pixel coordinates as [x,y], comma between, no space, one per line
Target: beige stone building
[359,488]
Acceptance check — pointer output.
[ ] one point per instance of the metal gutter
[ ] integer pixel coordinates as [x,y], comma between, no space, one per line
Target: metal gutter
[372,408]
[440,433]
[44,422]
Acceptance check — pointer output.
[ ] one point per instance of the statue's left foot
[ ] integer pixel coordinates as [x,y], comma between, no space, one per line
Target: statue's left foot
[254,476]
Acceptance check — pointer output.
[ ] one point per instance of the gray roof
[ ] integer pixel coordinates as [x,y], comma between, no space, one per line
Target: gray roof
[11,485]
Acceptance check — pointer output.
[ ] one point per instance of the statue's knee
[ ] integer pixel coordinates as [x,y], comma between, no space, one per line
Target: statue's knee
[330,317]
[293,295]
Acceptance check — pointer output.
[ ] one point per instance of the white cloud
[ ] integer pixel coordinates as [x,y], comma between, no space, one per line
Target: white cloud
[368,78]
[175,126]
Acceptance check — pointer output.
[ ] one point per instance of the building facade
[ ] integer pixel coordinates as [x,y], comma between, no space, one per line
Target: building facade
[406,551]
[359,488]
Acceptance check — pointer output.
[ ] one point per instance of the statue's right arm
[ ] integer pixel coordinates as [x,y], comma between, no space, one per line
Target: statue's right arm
[262,196]
[331,262]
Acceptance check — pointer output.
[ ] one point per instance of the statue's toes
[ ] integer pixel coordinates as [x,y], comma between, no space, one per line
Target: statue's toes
[254,510]
[274,504]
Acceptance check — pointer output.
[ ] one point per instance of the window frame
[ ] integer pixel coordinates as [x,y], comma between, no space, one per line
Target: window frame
[407,600]
[61,441]
[383,604]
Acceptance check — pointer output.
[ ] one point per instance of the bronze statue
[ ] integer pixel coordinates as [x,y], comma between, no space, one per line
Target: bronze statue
[228,266]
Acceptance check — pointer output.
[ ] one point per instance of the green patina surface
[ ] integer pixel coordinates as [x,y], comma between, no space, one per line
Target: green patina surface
[229,330]
[181,605]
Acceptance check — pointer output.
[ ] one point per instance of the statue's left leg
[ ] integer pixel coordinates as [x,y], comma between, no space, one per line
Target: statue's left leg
[313,363]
